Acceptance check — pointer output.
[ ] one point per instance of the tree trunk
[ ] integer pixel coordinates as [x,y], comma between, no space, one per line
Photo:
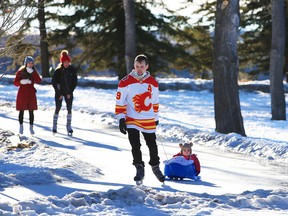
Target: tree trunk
[286,40]
[130,50]
[225,69]
[277,61]
[43,39]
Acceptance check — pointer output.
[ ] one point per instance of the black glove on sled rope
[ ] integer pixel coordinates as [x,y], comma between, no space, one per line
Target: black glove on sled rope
[122,126]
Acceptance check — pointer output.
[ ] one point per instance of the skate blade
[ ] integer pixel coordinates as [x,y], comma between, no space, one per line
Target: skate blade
[139,182]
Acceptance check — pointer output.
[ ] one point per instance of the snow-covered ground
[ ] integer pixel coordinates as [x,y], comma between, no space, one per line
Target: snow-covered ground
[91,173]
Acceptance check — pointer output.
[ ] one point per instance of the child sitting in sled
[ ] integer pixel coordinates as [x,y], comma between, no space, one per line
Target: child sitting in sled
[183,165]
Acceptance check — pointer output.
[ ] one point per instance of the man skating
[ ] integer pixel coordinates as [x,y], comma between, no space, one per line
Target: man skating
[137,106]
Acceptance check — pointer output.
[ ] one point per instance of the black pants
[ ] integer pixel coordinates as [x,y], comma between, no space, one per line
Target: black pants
[150,138]
[68,102]
[21,116]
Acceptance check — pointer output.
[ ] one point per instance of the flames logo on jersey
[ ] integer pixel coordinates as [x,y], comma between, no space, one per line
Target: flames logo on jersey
[139,102]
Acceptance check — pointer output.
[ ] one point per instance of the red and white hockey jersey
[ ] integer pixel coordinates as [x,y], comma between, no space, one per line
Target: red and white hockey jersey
[137,101]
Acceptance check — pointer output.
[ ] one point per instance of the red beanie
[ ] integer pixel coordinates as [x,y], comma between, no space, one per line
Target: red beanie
[64,56]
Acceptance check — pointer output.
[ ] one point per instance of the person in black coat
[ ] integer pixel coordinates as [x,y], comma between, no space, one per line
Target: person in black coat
[64,81]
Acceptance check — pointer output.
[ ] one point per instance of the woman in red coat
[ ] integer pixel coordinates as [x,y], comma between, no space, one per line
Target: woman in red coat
[26,99]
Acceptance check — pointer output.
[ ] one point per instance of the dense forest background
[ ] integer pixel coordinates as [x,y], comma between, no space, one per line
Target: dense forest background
[94,33]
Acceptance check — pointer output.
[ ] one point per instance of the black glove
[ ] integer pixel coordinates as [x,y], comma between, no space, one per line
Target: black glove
[157,122]
[122,126]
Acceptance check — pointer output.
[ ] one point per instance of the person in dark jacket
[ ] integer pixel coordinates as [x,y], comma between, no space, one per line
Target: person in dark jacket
[64,81]
[26,99]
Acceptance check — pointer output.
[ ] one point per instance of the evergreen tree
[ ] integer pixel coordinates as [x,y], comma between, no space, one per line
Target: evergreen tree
[225,68]
[286,41]
[278,106]
[257,31]
[98,28]
[130,43]
[44,55]
[255,35]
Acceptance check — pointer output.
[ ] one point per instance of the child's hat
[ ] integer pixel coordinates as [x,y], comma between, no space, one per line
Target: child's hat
[64,56]
[28,59]
[186,146]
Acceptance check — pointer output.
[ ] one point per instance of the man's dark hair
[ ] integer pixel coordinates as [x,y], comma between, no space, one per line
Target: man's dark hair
[140,58]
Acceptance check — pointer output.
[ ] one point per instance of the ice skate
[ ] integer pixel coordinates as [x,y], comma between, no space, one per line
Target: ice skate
[31,129]
[139,174]
[55,120]
[54,131]
[157,172]
[70,133]
[68,125]
[21,129]
[69,130]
